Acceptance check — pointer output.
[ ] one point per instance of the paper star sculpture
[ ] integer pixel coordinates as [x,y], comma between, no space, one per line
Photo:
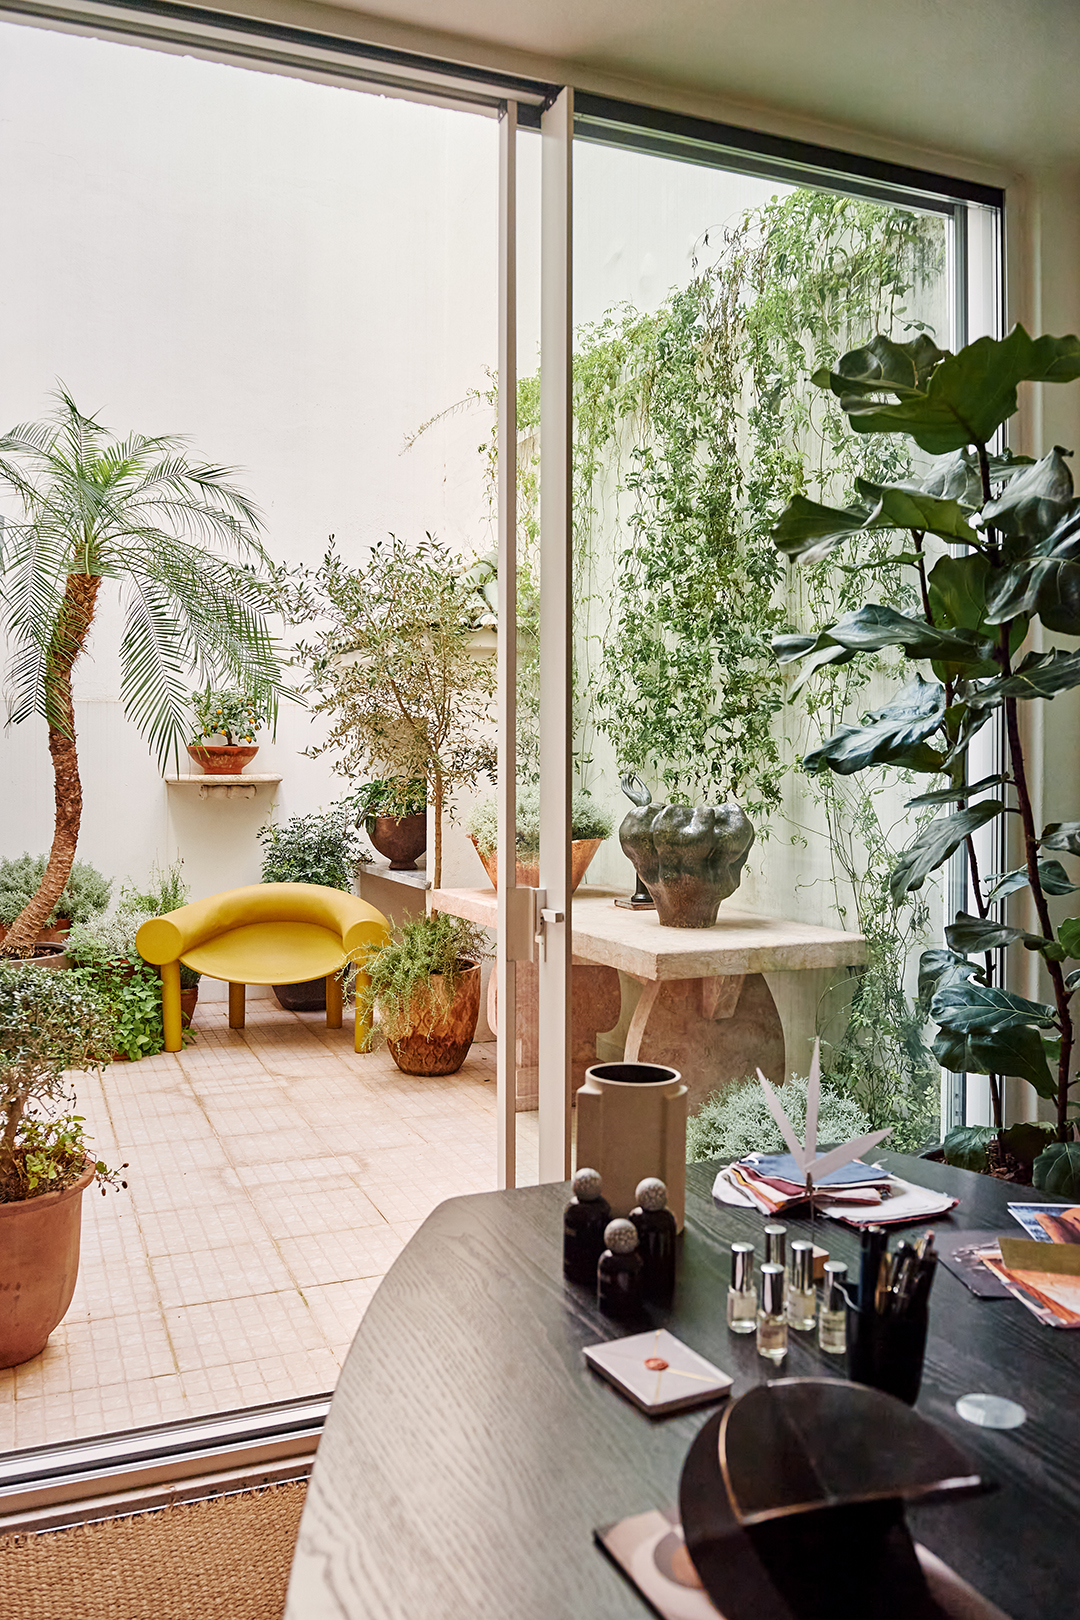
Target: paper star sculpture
[805,1156]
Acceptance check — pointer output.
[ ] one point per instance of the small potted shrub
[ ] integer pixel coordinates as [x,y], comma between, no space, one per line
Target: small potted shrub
[424,988]
[85,895]
[393,811]
[590,824]
[226,724]
[49,1022]
[319,848]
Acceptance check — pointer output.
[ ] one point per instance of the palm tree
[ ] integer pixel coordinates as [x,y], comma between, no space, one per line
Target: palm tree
[182,544]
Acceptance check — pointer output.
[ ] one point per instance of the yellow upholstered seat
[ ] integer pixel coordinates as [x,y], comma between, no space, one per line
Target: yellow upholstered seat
[267,933]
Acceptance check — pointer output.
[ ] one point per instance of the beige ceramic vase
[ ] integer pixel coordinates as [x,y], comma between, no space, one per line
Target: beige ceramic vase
[631,1123]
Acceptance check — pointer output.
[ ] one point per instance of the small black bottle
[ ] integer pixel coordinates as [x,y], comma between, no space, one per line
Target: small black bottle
[619,1272]
[656,1240]
[584,1220]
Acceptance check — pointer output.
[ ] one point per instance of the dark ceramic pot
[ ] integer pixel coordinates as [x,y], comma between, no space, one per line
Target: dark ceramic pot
[400,838]
[688,858]
[307,996]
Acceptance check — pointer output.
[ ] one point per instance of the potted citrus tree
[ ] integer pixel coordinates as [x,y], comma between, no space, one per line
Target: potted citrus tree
[49,1023]
[423,992]
[226,724]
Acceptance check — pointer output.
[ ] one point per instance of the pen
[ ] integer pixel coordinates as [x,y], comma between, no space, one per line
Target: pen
[873,1243]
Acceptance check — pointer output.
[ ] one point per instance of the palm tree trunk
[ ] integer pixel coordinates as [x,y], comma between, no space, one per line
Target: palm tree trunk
[73,624]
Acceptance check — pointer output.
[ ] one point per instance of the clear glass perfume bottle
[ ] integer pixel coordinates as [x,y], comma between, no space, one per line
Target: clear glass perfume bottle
[801,1296]
[741,1298]
[832,1322]
[772,1328]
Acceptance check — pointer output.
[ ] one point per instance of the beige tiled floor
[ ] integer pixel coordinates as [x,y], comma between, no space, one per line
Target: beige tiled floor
[274,1176]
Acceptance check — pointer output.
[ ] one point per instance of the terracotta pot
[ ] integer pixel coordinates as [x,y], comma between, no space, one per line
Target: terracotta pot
[226,760]
[47,954]
[582,851]
[443,1034]
[400,838]
[631,1123]
[307,996]
[188,1001]
[39,1262]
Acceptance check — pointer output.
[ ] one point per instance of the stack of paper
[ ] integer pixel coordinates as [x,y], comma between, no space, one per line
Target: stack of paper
[860,1194]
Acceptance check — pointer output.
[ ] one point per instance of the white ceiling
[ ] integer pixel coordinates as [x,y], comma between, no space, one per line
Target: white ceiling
[996,80]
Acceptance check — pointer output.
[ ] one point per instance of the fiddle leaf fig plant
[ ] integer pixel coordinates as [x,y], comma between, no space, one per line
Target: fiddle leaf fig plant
[1012,527]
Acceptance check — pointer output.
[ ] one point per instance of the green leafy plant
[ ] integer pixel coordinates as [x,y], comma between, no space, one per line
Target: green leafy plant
[181,541]
[588,819]
[166,891]
[399,974]
[1017,524]
[53,1153]
[322,847]
[50,1022]
[106,960]
[396,671]
[387,796]
[737,1120]
[231,713]
[84,895]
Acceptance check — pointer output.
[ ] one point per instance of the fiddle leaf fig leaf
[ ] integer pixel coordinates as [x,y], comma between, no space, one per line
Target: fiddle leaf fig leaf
[1057,1170]
[1045,580]
[1062,835]
[1026,1139]
[965,1147]
[900,506]
[986,1008]
[1069,936]
[1052,876]
[957,590]
[806,531]
[949,795]
[1019,1050]
[947,402]
[1037,497]
[874,627]
[958,477]
[1041,675]
[936,843]
[938,968]
[970,933]
[894,736]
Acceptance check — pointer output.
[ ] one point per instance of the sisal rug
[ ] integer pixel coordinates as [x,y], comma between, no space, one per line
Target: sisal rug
[223,1559]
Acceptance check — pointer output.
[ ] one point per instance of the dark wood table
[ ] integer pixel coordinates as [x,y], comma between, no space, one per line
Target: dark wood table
[470,1452]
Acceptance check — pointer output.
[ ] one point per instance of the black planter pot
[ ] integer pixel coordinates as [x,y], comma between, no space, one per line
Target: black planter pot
[307,996]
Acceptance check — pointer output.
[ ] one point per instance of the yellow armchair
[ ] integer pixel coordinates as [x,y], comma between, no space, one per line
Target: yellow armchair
[267,933]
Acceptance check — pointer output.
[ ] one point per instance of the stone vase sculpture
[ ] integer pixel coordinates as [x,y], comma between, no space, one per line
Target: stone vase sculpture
[631,1124]
[689,857]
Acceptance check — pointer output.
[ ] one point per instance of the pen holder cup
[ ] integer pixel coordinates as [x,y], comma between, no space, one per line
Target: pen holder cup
[886,1353]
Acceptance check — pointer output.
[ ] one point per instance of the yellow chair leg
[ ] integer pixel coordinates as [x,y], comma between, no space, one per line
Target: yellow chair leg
[170,1006]
[236,1006]
[333,1001]
[362,1027]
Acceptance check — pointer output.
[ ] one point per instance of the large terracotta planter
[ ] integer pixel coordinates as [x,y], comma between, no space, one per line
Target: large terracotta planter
[228,759]
[189,1000]
[440,1041]
[39,1263]
[689,857]
[400,838]
[582,851]
[631,1123]
[47,954]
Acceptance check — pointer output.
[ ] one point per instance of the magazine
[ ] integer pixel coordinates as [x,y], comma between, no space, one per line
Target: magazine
[1049,1223]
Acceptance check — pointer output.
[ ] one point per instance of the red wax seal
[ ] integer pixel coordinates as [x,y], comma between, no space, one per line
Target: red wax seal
[656,1364]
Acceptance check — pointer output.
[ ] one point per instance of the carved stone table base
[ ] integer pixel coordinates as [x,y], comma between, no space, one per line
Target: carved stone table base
[711,1030]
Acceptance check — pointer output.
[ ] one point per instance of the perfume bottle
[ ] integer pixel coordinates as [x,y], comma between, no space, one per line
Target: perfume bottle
[801,1296]
[584,1220]
[656,1232]
[772,1328]
[832,1322]
[619,1271]
[776,1247]
[741,1297]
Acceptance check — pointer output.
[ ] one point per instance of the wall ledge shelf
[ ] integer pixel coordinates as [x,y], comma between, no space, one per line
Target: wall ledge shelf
[226,787]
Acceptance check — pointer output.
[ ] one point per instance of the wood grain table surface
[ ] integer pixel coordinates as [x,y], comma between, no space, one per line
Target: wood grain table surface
[470,1452]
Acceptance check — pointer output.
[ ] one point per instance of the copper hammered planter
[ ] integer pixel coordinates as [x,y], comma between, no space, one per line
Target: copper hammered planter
[228,759]
[440,1042]
[39,1264]
[582,851]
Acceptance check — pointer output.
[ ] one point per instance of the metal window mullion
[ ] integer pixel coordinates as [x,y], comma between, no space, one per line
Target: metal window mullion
[506,788]
[556,126]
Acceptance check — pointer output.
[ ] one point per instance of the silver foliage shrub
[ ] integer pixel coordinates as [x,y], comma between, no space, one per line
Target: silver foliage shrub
[737,1120]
